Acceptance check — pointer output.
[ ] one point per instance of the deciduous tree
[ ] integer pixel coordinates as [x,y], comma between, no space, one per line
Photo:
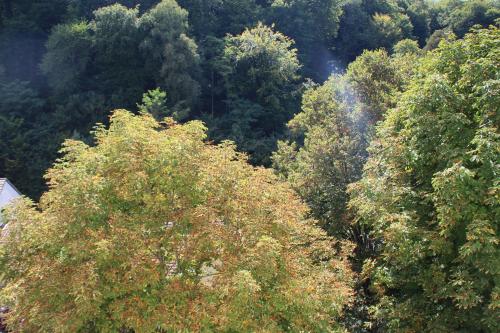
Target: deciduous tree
[153,229]
[260,69]
[430,194]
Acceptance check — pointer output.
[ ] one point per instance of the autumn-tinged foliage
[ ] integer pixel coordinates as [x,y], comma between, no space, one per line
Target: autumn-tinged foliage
[379,117]
[430,193]
[152,229]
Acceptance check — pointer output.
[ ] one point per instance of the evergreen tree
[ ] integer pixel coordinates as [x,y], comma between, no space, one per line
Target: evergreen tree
[154,102]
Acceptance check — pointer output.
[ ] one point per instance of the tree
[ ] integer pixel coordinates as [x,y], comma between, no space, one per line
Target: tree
[120,54]
[430,194]
[421,16]
[154,102]
[68,57]
[327,148]
[331,133]
[460,16]
[171,56]
[375,80]
[331,156]
[436,37]
[260,69]
[406,47]
[153,229]
[312,25]
[390,28]
[370,25]
[116,55]
[98,57]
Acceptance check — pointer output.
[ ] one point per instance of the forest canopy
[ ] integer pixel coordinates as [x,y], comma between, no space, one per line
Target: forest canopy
[65,64]
[283,166]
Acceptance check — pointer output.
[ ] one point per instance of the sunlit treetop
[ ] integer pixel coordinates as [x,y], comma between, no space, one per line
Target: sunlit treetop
[152,228]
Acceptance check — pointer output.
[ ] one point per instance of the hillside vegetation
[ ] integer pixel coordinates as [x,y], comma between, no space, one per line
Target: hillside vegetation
[251,165]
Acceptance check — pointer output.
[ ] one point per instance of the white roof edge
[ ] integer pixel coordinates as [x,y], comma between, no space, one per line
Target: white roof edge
[7,181]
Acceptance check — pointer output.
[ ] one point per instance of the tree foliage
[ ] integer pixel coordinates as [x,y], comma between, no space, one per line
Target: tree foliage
[460,16]
[331,156]
[260,71]
[333,87]
[154,102]
[312,24]
[171,55]
[121,54]
[24,148]
[430,194]
[327,151]
[369,25]
[331,133]
[153,229]
[99,55]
